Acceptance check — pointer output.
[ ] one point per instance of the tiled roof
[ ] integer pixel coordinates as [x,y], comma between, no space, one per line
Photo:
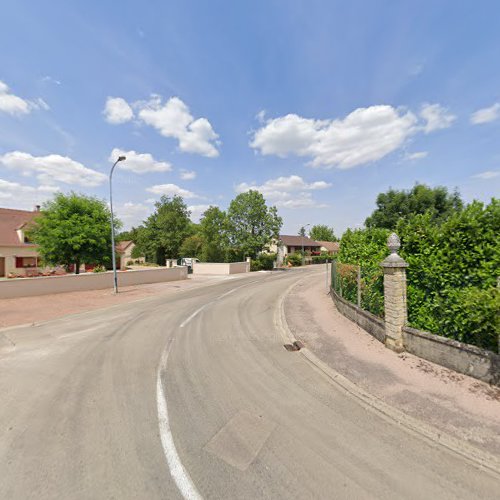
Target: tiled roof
[297,241]
[10,221]
[331,246]
[121,246]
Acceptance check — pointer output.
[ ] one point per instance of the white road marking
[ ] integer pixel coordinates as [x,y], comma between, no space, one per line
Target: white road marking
[198,311]
[177,471]
[187,320]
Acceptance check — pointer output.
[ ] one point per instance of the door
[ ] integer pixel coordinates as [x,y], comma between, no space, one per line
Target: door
[2,267]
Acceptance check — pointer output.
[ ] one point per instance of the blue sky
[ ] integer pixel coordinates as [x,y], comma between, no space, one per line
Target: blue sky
[319,104]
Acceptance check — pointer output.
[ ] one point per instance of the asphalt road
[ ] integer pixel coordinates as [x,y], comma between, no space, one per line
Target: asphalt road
[194,396]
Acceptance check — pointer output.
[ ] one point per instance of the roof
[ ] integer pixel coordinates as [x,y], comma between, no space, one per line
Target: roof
[298,241]
[121,246]
[331,246]
[10,221]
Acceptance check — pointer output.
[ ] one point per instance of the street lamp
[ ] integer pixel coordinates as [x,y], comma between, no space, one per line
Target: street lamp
[113,251]
[304,233]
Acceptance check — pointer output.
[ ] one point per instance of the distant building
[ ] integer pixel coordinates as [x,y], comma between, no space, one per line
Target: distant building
[288,244]
[330,246]
[17,255]
[124,250]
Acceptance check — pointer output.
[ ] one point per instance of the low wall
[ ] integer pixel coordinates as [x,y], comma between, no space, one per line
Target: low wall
[28,287]
[458,356]
[369,322]
[463,358]
[221,268]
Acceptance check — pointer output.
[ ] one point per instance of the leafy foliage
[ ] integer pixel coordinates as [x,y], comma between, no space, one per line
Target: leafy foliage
[165,230]
[252,225]
[321,232]
[294,259]
[213,231]
[192,246]
[73,229]
[264,262]
[395,205]
[453,270]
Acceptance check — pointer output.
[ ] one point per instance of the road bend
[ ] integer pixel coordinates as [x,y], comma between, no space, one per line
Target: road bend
[194,396]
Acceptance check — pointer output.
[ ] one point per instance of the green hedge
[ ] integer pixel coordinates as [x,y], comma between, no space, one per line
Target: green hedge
[452,276]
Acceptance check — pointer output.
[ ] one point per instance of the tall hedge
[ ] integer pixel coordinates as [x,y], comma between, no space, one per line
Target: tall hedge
[453,273]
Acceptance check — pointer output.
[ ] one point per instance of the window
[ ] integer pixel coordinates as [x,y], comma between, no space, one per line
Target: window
[25,262]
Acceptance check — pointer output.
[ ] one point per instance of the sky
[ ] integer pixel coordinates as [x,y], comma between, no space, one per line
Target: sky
[320,105]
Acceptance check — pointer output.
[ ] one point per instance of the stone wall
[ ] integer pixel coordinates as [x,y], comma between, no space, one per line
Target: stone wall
[369,322]
[463,358]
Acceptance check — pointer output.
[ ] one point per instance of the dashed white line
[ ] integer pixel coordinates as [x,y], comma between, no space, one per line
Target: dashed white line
[177,471]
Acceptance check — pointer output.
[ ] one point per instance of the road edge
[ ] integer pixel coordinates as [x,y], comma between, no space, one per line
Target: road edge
[435,437]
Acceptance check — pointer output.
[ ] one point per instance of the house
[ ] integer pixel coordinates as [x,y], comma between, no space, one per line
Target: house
[124,250]
[288,244]
[17,255]
[330,246]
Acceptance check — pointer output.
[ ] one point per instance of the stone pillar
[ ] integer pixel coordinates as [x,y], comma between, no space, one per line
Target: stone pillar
[394,295]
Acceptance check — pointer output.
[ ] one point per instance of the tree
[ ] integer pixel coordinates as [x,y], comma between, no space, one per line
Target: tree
[252,224]
[321,232]
[192,246]
[302,231]
[165,230]
[213,230]
[395,205]
[73,229]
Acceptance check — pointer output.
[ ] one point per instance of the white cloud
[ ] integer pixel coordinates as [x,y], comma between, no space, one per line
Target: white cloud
[489,174]
[436,117]
[52,169]
[187,175]
[16,106]
[117,110]
[486,115]
[173,119]
[287,192]
[171,190]
[139,163]
[418,155]
[197,211]
[15,195]
[132,214]
[363,136]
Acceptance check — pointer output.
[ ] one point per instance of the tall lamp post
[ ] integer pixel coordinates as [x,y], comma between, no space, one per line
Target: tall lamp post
[113,251]
[303,256]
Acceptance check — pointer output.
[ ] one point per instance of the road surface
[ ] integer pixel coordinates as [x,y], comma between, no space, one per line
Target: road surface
[194,396]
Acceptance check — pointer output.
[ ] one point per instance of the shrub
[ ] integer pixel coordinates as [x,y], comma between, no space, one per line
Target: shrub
[99,269]
[294,259]
[264,262]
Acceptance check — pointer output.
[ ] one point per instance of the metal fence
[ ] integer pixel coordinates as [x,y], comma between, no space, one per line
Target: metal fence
[363,286]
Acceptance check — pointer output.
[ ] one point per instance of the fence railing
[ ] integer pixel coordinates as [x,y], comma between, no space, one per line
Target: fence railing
[363,286]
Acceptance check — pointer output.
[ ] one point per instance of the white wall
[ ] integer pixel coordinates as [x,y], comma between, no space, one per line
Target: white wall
[221,268]
[28,287]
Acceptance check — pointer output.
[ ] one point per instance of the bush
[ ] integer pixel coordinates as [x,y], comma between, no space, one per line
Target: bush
[99,269]
[294,259]
[452,275]
[264,262]
[321,259]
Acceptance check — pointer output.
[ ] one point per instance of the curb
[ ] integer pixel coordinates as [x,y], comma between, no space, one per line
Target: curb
[433,436]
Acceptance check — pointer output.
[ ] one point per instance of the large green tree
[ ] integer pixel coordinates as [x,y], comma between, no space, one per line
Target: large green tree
[252,225]
[400,204]
[213,230]
[321,232]
[165,230]
[73,229]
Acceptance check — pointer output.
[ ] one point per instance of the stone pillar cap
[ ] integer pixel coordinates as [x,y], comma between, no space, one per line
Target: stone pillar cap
[394,260]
